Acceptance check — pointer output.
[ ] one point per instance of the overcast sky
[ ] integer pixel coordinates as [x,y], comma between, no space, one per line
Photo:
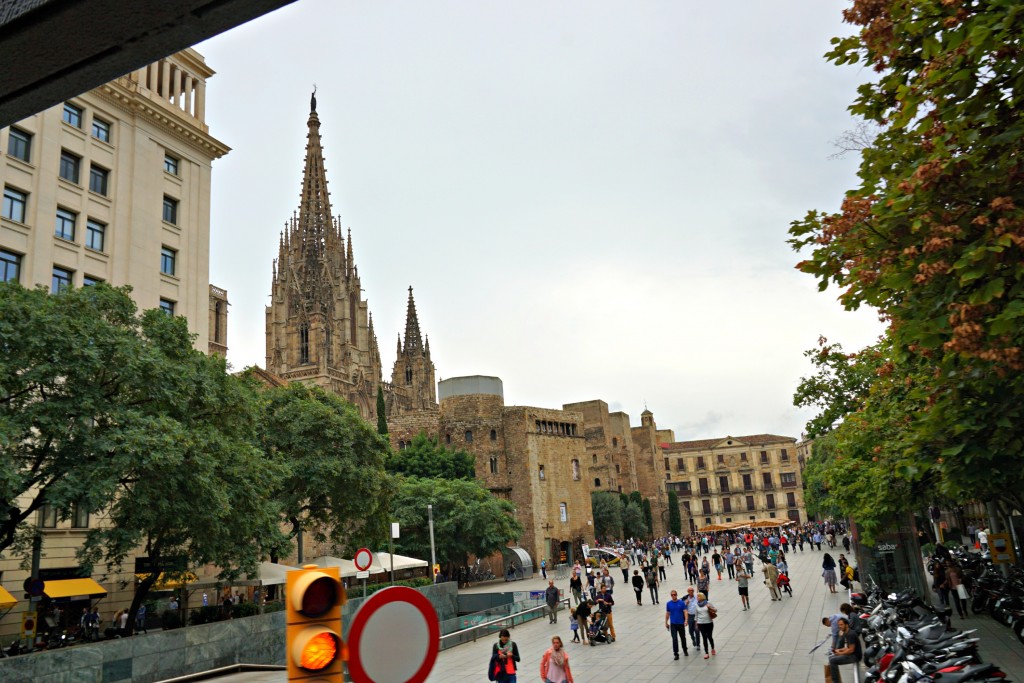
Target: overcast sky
[590,199]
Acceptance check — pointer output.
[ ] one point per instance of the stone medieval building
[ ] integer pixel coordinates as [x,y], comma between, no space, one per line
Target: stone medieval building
[319,328]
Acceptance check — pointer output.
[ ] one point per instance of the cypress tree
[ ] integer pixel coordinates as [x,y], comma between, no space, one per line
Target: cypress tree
[382,415]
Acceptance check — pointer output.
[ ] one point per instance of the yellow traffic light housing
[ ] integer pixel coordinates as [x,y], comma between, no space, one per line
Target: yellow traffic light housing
[313,646]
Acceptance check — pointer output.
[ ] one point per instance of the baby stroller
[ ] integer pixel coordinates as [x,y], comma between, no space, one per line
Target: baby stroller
[783,584]
[598,631]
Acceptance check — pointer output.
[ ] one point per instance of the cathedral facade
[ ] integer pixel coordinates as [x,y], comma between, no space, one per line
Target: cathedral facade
[319,328]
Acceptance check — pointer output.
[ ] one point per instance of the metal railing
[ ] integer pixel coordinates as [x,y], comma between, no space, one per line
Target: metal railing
[487,628]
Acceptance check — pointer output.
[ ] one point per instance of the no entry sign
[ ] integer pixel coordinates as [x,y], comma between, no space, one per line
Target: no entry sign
[394,638]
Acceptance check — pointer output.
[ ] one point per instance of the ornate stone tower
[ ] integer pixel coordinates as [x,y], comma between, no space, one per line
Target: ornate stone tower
[413,374]
[319,329]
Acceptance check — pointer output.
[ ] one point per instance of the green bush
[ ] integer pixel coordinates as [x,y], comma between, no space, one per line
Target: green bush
[356,591]
[927,549]
[245,609]
[170,620]
[205,615]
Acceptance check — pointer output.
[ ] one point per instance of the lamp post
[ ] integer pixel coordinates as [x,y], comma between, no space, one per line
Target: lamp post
[430,523]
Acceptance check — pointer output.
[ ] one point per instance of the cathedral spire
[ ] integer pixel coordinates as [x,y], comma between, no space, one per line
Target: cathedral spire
[315,226]
[413,340]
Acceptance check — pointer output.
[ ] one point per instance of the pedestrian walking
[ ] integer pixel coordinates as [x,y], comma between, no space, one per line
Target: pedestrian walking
[504,656]
[554,664]
[716,560]
[957,589]
[583,612]
[544,568]
[652,586]
[676,616]
[605,602]
[771,580]
[730,562]
[743,581]
[828,572]
[551,597]
[691,617]
[624,566]
[706,614]
[576,587]
[638,586]
[574,625]
[703,582]
[661,567]
[748,560]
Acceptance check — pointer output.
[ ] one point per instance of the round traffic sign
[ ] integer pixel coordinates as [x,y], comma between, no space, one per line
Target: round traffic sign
[393,615]
[363,559]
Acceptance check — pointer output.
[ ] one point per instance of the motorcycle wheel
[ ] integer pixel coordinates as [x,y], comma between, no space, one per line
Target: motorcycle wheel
[978,605]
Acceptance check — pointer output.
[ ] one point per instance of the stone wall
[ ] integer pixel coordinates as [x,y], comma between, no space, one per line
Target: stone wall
[161,655]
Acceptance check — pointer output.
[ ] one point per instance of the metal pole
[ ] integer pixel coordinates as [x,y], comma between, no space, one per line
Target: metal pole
[301,559]
[391,544]
[430,523]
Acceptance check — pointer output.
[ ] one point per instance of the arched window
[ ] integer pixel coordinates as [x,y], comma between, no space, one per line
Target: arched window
[469,436]
[401,445]
[303,343]
[563,512]
[540,472]
[615,442]
[448,439]
[593,457]
[597,482]
[575,470]
[494,435]
[408,375]
[494,464]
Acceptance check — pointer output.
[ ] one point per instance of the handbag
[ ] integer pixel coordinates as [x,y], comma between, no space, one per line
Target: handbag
[712,612]
[961,590]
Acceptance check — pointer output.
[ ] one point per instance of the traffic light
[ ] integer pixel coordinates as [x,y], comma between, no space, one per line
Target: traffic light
[314,649]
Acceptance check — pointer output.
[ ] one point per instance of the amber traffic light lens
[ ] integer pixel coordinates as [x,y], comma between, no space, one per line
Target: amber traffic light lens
[319,652]
[319,597]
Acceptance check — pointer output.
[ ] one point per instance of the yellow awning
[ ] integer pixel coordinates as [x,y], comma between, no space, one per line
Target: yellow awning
[67,588]
[7,600]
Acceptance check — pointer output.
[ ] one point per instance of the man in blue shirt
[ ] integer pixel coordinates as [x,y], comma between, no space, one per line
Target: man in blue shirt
[675,621]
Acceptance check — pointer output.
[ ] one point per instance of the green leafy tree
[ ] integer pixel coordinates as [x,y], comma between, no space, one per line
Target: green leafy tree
[933,238]
[468,519]
[427,458]
[633,524]
[607,508]
[382,413]
[675,518]
[335,486]
[648,516]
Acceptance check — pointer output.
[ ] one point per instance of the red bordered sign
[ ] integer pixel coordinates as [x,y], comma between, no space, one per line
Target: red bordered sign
[396,615]
[363,559]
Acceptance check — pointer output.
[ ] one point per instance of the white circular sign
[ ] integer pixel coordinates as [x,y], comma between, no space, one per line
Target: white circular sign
[363,559]
[393,616]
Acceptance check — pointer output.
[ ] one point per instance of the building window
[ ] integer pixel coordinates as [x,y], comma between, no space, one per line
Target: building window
[706,506]
[88,280]
[784,455]
[770,500]
[494,464]
[750,502]
[617,470]
[101,130]
[303,343]
[65,228]
[19,144]
[563,512]
[764,457]
[791,499]
[593,458]
[575,470]
[494,435]
[703,484]
[170,164]
[448,439]
[788,479]
[766,479]
[723,484]
[408,375]
[469,436]
[10,266]
[98,179]
[401,445]
[680,465]
[14,204]
[79,516]
[700,462]
[748,483]
[615,442]
[743,457]
[48,516]
[95,235]
[668,476]
[721,458]
[69,166]
[597,482]
[540,472]
[170,210]
[167,306]
[727,505]
[72,115]
[61,279]
[168,259]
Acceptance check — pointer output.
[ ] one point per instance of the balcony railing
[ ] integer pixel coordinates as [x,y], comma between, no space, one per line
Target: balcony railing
[768,487]
[789,484]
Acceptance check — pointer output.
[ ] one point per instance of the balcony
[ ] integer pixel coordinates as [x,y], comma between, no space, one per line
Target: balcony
[767,487]
[789,484]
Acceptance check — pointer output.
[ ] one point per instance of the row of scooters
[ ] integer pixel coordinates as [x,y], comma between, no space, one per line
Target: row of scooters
[906,640]
[1002,597]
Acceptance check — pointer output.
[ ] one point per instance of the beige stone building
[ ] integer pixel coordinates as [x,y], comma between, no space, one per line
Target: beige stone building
[319,328]
[112,185]
[733,479]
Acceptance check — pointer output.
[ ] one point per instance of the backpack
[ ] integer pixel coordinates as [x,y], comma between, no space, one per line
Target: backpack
[494,671]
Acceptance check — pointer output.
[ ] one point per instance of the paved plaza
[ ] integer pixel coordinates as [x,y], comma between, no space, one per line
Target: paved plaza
[769,643]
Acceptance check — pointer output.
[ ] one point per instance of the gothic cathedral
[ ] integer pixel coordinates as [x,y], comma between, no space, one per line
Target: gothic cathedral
[319,329]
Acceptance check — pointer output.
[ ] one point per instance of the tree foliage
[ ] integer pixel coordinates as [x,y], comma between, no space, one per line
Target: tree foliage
[675,518]
[933,238]
[607,508]
[633,524]
[468,519]
[648,516]
[425,457]
[334,484]
[382,413]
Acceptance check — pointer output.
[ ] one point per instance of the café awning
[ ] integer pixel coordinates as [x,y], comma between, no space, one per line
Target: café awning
[70,588]
[7,601]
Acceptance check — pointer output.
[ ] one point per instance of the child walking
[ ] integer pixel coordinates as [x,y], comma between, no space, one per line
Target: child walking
[574,626]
